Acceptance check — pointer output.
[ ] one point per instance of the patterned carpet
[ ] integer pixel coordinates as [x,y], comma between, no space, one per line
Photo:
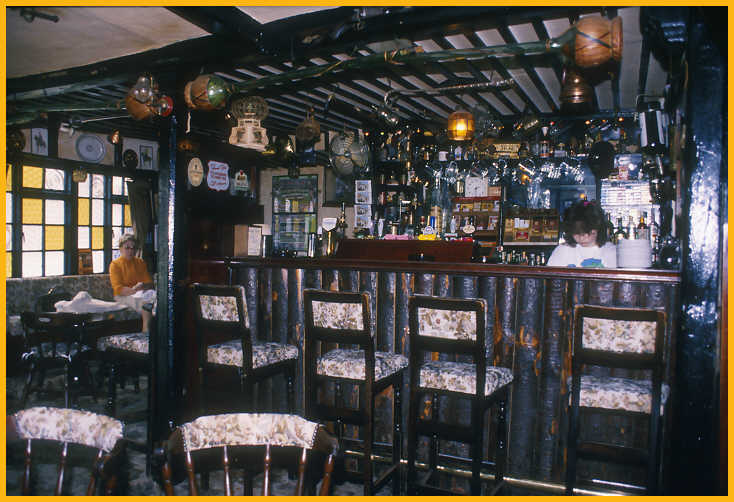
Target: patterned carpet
[130,404]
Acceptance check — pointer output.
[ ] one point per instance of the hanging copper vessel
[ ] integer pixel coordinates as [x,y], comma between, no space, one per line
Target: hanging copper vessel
[207,92]
[597,41]
[308,130]
[576,94]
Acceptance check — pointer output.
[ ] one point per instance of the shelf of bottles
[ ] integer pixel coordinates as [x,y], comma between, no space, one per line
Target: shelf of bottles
[294,212]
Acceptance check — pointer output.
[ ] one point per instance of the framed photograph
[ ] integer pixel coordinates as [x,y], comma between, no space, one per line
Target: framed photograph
[39,141]
[146,157]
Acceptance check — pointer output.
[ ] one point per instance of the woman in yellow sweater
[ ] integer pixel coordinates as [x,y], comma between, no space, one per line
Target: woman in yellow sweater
[128,275]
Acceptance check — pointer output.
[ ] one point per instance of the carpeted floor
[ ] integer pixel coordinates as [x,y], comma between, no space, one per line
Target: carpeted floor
[130,404]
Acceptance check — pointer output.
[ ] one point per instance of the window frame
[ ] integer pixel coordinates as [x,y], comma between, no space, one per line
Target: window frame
[70,195]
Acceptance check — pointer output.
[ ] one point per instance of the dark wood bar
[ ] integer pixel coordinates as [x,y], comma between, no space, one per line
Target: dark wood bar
[529,314]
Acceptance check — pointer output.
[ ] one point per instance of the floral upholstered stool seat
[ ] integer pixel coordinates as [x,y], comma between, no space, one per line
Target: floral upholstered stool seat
[616,393]
[455,329]
[350,364]
[339,350]
[229,352]
[132,342]
[263,354]
[64,426]
[629,342]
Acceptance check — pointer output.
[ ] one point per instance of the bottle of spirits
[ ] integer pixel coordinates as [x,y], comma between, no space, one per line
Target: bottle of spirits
[610,228]
[436,209]
[631,227]
[620,233]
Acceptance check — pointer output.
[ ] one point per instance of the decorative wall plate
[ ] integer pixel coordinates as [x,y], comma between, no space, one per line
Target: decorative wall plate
[130,159]
[195,171]
[90,148]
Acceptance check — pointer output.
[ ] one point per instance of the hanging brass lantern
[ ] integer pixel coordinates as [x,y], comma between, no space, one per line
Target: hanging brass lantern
[576,95]
[461,126]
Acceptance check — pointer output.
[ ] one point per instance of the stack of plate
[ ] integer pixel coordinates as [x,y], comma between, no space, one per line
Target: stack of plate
[634,253]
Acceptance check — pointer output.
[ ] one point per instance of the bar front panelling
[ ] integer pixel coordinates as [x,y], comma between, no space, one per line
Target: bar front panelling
[528,329]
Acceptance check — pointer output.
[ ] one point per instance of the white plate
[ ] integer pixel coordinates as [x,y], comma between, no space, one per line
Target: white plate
[90,148]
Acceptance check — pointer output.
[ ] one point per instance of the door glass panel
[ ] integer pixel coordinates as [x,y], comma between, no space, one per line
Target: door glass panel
[97,212]
[83,238]
[8,237]
[54,212]
[32,210]
[128,220]
[54,179]
[32,177]
[84,187]
[83,212]
[97,238]
[54,263]
[32,264]
[32,237]
[97,186]
[98,262]
[8,207]
[8,265]
[117,185]
[54,237]
[116,215]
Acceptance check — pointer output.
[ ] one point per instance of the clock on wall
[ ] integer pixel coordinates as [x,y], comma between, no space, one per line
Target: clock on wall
[130,159]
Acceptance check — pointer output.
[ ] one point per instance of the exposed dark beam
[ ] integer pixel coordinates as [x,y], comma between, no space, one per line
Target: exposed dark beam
[229,23]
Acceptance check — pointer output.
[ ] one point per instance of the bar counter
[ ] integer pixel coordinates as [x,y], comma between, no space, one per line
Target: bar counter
[529,319]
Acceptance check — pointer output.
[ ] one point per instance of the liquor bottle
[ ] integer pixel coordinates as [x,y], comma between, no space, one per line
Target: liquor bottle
[610,228]
[620,233]
[642,231]
[418,230]
[436,207]
[631,227]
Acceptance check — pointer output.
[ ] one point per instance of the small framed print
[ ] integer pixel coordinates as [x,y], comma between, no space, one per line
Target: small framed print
[146,157]
[85,262]
[363,192]
[39,141]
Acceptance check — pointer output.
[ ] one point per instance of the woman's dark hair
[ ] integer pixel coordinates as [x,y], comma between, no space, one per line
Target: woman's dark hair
[581,218]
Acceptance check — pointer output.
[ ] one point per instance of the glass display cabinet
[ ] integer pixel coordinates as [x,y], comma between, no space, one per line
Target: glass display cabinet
[295,209]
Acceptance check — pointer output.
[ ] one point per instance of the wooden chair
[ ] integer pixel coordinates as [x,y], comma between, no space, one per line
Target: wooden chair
[453,327]
[127,354]
[54,340]
[628,338]
[47,302]
[84,439]
[227,349]
[344,318]
[253,442]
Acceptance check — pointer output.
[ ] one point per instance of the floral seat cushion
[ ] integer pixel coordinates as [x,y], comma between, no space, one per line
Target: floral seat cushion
[62,351]
[347,363]
[263,353]
[132,342]
[617,393]
[249,429]
[67,425]
[461,377]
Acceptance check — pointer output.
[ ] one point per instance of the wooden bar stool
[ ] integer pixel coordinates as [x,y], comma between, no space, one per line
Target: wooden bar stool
[628,338]
[82,438]
[343,319]
[226,349]
[456,327]
[253,442]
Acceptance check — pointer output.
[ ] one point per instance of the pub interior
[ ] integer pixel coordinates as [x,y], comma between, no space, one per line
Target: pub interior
[347,215]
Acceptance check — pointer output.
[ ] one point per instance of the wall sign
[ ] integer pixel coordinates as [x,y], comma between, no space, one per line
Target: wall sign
[195,172]
[218,176]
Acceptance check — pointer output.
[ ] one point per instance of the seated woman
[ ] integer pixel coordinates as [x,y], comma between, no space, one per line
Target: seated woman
[129,275]
[586,244]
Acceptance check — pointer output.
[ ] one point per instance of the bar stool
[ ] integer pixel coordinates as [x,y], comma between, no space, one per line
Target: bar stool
[453,326]
[343,318]
[628,338]
[226,348]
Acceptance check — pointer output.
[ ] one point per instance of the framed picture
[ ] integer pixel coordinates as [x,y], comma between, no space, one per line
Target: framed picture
[85,262]
[146,157]
[337,190]
[39,141]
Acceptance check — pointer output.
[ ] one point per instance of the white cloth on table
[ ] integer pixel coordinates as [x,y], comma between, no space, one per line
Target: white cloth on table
[137,299]
[84,303]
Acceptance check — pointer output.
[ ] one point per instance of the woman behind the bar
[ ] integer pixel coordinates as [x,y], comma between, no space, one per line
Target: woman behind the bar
[585,233]
[128,275]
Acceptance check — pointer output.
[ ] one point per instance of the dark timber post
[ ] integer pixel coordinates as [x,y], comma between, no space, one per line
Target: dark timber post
[695,425]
